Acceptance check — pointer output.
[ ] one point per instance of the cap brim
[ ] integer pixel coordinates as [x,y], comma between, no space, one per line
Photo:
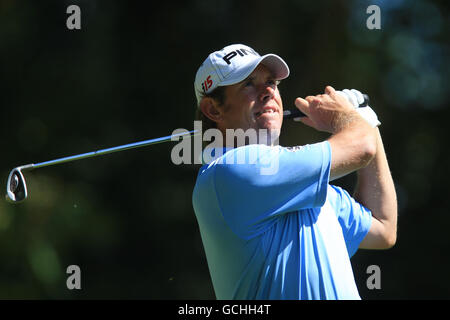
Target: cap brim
[277,65]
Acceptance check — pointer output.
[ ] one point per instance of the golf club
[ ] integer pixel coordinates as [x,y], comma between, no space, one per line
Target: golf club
[16,188]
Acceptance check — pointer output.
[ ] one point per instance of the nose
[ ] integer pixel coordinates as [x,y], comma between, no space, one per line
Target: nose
[267,92]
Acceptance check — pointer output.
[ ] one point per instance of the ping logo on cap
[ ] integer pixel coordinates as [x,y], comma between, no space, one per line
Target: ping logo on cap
[242,52]
[207,84]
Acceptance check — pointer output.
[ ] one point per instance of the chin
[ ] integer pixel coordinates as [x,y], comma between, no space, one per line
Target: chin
[270,125]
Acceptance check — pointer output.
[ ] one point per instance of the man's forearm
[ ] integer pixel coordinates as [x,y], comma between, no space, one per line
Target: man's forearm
[353,145]
[375,190]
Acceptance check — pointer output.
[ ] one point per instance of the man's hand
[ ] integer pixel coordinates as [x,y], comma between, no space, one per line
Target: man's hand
[329,112]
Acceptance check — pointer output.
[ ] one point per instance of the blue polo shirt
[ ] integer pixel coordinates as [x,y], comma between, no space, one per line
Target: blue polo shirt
[274,228]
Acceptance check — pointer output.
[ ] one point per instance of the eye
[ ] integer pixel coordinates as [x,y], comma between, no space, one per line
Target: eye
[273,82]
[248,83]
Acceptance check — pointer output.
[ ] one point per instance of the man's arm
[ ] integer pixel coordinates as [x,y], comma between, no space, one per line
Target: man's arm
[353,140]
[355,145]
[375,190]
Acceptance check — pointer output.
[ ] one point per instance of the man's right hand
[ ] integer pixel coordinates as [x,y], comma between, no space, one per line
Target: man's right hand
[328,112]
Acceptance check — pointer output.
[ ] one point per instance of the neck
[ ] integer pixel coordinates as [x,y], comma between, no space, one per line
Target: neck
[234,138]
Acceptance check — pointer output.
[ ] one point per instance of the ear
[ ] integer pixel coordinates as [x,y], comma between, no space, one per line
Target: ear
[211,109]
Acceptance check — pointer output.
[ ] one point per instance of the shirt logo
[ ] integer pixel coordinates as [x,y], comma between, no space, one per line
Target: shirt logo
[293,149]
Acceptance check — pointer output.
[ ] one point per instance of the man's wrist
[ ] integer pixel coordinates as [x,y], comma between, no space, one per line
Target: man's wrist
[348,120]
[356,98]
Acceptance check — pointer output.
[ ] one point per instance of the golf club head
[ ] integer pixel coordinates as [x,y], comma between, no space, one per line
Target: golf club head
[16,189]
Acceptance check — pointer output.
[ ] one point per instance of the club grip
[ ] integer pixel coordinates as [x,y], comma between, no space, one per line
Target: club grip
[295,113]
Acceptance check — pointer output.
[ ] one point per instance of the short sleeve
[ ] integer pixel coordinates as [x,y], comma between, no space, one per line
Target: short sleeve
[276,181]
[354,218]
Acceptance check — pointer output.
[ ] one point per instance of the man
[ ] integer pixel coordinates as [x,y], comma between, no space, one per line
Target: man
[288,234]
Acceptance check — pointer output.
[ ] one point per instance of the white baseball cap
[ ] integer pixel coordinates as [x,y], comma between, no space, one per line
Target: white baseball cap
[233,64]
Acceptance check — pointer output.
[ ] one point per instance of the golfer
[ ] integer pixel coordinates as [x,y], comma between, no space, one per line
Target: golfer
[289,233]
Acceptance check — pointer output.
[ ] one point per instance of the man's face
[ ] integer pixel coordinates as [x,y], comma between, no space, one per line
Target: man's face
[253,103]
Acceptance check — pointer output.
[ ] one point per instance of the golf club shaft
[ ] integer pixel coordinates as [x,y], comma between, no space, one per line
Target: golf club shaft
[105,151]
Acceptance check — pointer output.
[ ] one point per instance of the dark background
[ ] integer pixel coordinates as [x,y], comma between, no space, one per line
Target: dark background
[126,219]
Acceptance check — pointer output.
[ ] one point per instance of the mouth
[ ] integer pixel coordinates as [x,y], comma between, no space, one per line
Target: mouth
[266,110]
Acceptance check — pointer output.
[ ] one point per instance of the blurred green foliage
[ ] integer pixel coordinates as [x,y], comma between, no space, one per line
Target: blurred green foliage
[126,219]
